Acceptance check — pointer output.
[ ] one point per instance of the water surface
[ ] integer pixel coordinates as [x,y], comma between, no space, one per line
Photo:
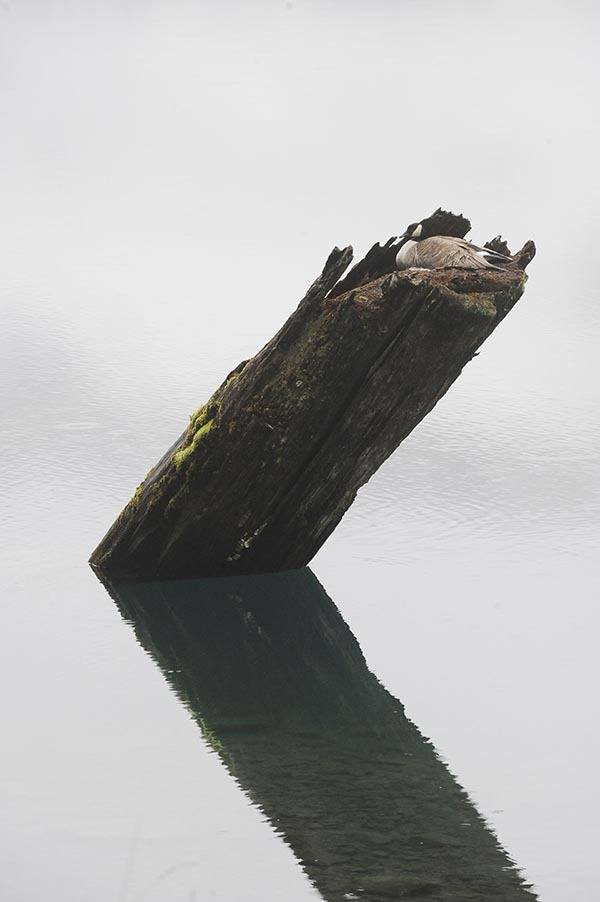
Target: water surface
[173,177]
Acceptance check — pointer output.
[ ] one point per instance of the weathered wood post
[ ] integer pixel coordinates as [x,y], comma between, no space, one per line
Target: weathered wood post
[269,465]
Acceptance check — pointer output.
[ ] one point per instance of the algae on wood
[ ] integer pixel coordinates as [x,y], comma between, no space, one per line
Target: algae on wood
[269,465]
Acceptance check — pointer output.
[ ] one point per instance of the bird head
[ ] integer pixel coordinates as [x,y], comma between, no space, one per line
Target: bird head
[413,232]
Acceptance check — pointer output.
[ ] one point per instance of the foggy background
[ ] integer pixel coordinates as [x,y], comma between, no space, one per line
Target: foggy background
[172,178]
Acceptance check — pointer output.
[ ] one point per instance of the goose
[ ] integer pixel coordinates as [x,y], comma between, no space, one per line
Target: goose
[440,251]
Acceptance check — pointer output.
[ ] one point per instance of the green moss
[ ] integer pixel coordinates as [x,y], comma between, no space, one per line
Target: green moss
[137,494]
[179,457]
[198,417]
[201,423]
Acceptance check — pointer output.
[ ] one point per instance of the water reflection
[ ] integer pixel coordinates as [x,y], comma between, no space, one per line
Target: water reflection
[281,691]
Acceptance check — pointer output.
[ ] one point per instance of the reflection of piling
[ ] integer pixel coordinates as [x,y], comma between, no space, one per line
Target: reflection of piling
[269,465]
[280,688]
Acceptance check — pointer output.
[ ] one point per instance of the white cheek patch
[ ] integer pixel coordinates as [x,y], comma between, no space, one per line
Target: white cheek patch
[417,231]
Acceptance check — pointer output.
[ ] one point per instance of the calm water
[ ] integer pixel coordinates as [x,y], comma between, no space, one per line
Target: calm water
[173,177]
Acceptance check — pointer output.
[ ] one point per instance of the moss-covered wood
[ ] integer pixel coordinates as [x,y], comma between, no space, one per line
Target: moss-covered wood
[269,465]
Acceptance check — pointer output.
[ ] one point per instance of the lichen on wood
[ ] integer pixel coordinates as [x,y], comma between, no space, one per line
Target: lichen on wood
[269,465]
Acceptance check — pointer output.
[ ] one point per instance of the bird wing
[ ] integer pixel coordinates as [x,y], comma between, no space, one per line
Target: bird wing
[486,253]
[441,251]
[467,255]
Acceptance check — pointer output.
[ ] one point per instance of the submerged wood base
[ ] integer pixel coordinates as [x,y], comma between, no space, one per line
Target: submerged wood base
[269,465]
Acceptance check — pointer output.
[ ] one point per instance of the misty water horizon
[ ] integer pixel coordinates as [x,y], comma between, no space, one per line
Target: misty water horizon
[173,178]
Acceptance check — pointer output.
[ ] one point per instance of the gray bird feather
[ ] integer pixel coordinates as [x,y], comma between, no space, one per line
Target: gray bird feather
[444,251]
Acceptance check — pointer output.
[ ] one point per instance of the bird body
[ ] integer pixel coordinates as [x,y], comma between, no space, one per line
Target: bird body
[442,251]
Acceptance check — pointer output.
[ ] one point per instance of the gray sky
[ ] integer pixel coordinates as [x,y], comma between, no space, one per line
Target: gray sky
[172,177]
